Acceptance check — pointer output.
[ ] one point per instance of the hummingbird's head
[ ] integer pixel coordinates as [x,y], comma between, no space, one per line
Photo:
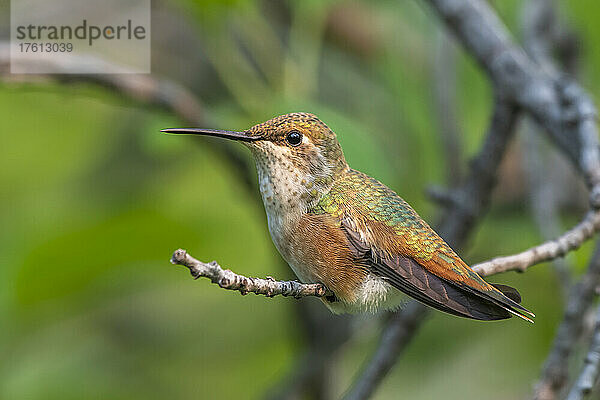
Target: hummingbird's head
[297,156]
[299,141]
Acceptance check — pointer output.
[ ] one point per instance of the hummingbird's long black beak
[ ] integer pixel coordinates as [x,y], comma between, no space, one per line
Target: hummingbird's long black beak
[241,136]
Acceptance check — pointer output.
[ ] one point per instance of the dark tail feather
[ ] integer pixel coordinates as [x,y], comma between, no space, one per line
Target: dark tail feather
[508,298]
[508,291]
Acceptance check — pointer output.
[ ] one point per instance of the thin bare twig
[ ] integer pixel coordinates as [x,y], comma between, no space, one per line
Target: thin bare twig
[555,372]
[471,201]
[590,372]
[546,251]
[556,103]
[229,280]
[544,35]
[541,32]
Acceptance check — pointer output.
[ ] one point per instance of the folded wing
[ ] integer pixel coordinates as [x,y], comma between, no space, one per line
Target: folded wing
[386,234]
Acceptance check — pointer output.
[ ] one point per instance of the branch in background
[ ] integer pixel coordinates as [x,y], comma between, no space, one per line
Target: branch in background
[472,198]
[443,196]
[544,36]
[541,161]
[556,102]
[403,325]
[146,89]
[232,281]
[547,251]
[569,241]
[590,372]
[461,216]
[555,373]
[566,113]
[143,88]
[312,372]
[305,376]
[397,334]
[444,94]
[150,90]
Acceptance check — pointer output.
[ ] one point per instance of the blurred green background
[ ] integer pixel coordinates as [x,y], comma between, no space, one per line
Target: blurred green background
[93,201]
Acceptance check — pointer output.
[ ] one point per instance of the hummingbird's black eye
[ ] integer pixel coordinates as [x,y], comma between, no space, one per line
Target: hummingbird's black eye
[294,138]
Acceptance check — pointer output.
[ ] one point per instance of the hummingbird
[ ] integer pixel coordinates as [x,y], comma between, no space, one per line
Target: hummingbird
[349,232]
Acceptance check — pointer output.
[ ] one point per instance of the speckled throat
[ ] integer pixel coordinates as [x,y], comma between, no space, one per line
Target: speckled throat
[292,180]
[289,188]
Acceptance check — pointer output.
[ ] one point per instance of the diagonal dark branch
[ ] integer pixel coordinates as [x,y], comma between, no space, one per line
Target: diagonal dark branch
[143,88]
[310,375]
[590,372]
[459,220]
[396,335]
[556,102]
[473,197]
[555,372]
[542,35]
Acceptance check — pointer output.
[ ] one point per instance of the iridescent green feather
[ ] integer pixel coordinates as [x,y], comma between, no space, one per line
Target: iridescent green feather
[374,201]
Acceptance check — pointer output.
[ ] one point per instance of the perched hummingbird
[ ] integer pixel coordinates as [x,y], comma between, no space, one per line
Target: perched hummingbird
[341,228]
